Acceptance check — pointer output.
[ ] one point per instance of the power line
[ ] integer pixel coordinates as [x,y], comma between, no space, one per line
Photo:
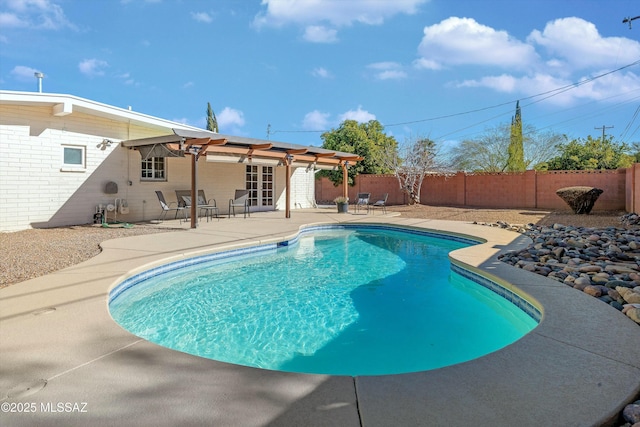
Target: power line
[551,93]
[627,128]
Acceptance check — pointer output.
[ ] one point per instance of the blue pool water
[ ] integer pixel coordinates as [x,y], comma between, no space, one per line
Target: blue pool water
[344,301]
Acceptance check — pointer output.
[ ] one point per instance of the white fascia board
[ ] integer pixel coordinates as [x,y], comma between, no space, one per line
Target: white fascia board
[62,109]
[63,104]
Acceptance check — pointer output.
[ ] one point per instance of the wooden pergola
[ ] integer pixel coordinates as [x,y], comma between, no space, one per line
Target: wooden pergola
[233,149]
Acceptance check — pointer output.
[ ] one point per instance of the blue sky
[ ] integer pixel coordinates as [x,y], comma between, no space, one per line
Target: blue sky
[446,69]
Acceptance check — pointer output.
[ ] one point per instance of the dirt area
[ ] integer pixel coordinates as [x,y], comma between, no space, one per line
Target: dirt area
[598,219]
[33,253]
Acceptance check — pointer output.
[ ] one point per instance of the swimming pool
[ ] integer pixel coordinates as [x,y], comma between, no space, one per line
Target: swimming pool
[339,300]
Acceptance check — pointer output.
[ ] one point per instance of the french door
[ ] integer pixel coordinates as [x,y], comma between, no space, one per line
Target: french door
[260,183]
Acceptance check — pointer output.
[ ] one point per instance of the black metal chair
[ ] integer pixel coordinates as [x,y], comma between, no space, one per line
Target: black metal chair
[382,203]
[362,201]
[208,207]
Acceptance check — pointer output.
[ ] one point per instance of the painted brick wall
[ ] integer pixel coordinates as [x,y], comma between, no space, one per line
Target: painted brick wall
[302,188]
[35,189]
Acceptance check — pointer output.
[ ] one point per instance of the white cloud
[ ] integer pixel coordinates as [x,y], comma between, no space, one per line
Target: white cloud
[230,119]
[427,64]
[127,79]
[24,73]
[316,120]
[182,120]
[578,44]
[11,20]
[359,115]
[321,72]
[35,14]
[92,67]
[600,89]
[188,85]
[502,83]
[320,34]
[337,13]
[202,17]
[388,70]
[458,41]
[392,75]
[558,56]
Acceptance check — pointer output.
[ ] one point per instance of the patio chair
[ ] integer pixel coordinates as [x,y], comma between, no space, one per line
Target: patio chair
[241,200]
[168,207]
[208,205]
[382,203]
[362,201]
[209,209]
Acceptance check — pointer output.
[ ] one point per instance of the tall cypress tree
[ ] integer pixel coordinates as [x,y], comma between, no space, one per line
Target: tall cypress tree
[515,161]
[212,121]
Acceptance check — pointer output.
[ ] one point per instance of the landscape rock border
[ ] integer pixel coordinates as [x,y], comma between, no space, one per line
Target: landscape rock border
[601,262]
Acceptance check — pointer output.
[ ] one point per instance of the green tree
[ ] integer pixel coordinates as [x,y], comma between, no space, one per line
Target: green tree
[515,159]
[212,121]
[591,154]
[489,151]
[367,140]
[635,152]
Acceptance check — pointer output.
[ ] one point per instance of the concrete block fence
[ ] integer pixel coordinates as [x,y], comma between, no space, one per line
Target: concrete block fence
[530,189]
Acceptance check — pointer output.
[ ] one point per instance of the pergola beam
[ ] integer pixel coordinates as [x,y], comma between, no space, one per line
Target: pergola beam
[222,147]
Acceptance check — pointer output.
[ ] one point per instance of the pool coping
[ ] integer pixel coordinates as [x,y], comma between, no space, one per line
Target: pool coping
[578,367]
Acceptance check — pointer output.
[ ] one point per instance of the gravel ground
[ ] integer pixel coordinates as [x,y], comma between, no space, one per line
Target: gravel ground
[33,253]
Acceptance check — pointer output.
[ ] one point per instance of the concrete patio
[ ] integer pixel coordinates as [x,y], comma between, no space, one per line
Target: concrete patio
[64,361]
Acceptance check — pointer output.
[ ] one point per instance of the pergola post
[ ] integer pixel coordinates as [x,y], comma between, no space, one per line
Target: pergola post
[194,186]
[345,179]
[287,209]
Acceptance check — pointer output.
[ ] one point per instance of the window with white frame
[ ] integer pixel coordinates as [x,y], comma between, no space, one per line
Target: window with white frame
[73,158]
[154,169]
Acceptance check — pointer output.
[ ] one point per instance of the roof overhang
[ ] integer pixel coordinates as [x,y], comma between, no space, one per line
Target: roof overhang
[63,105]
[236,149]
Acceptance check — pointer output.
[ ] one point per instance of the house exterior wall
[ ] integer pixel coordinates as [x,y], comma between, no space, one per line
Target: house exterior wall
[37,192]
[302,188]
[35,189]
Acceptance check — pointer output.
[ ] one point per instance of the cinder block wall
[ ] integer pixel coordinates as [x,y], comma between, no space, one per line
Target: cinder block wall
[529,189]
[611,181]
[632,189]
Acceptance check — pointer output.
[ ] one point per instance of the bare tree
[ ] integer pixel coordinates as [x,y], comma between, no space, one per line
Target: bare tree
[489,152]
[411,163]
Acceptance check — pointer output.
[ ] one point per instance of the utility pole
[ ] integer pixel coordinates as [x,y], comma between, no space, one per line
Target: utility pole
[268,131]
[603,130]
[628,19]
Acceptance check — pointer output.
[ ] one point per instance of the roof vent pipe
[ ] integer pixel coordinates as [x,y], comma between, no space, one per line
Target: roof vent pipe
[39,76]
